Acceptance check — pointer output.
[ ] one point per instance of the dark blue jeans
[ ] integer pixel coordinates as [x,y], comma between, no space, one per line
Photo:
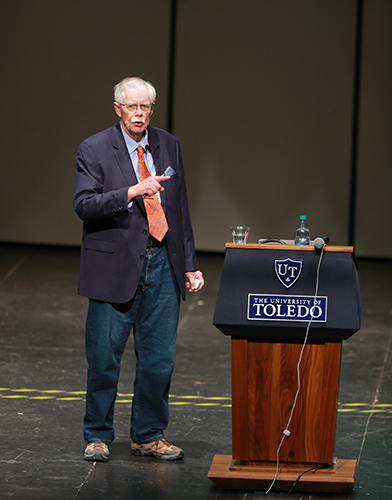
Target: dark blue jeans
[153,314]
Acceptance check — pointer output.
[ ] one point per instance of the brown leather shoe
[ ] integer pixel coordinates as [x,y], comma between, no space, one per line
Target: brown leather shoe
[97,452]
[159,449]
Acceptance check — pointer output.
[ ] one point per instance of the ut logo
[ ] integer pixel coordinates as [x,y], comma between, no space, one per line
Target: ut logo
[288,271]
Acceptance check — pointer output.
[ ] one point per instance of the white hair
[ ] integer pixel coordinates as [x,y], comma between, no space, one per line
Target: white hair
[134,83]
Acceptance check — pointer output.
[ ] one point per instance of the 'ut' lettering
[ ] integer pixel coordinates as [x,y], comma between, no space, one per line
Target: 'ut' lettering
[287,267]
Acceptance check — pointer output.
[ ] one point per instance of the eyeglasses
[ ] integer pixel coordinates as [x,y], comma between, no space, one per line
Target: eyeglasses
[134,107]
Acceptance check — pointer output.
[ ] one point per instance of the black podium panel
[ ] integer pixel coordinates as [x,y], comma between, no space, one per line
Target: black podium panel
[283,288]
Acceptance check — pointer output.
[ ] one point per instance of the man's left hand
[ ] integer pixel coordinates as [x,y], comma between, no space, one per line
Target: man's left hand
[195,281]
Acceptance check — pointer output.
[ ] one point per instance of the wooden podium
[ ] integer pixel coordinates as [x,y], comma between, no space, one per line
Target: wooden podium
[265,355]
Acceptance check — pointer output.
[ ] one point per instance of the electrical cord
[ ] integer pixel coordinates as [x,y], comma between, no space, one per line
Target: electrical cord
[286,432]
[320,466]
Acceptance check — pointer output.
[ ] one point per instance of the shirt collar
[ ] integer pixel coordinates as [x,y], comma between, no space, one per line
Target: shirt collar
[131,144]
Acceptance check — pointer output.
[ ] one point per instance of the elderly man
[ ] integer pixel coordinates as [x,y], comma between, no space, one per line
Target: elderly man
[137,259]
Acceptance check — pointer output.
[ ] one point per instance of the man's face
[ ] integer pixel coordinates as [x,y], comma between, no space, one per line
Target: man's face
[134,122]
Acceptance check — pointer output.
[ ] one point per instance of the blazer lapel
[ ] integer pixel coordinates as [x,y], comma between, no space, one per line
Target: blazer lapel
[122,156]
[123,160]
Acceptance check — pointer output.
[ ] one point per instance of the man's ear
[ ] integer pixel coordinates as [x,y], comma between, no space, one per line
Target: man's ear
[117,109]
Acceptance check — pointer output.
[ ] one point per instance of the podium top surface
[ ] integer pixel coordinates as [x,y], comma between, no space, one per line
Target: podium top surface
[289,245]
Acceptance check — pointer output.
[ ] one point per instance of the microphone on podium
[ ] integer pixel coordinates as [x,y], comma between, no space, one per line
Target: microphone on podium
[319,243]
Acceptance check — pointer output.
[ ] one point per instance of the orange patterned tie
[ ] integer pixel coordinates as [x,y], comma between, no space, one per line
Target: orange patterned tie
[157,223]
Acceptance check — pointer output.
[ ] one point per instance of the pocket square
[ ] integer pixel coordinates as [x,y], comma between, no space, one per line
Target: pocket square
[169,171]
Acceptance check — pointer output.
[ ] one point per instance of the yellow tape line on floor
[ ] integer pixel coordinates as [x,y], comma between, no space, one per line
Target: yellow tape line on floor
[185,400]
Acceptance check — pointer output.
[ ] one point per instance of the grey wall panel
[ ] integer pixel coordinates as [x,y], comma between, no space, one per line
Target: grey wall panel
[60,61]
[373,218]
[263,110]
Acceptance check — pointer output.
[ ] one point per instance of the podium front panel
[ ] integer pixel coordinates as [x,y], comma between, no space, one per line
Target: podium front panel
[282,283]
[264,384]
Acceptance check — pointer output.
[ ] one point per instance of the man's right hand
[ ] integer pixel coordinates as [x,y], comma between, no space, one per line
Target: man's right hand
[148,187]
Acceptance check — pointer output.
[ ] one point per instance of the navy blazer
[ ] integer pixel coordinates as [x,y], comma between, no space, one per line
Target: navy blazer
[115,236]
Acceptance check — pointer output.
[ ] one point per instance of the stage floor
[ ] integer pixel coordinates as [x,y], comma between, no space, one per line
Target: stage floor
[43,377]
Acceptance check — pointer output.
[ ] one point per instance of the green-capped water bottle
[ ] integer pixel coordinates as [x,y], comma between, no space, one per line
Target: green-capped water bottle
[302,233]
